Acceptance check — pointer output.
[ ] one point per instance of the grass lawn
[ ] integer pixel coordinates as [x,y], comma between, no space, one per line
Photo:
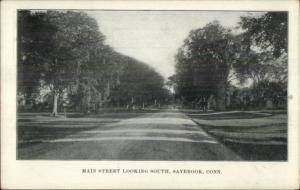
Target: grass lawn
[43,126]
[253,135]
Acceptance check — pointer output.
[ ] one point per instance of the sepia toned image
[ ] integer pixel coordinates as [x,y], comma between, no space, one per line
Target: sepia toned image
[145,85]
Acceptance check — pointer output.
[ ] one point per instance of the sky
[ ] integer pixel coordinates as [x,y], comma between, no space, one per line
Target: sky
[154,37]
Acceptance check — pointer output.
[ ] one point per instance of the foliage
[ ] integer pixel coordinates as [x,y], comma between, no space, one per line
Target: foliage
[263,54]
[269,32]
[34,34]
[212,57]
[140,85]
[65,51]
[204,62]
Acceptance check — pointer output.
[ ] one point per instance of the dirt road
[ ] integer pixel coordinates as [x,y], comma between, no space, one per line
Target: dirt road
[155,136]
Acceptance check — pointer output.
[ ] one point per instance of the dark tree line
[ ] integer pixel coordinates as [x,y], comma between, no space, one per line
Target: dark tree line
[213,56]
[63,54]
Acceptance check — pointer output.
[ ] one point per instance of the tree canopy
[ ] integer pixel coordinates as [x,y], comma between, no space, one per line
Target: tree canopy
[268,32]
[204,62]
[213,56]
[264,53]
[66,52]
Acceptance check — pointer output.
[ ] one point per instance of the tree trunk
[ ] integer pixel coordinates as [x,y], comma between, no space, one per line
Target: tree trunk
[221,97]
[107,90]
[228,99]
[55,101]
[87,101]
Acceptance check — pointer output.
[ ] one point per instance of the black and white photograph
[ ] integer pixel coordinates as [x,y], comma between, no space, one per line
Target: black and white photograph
[152,85]
[150,94]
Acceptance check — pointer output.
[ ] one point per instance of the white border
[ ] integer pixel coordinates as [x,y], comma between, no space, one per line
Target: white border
[67,174]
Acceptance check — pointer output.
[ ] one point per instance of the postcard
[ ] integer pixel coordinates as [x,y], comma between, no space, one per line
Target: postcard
[150,94]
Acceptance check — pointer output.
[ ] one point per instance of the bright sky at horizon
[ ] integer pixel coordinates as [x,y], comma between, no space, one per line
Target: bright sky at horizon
[154,37]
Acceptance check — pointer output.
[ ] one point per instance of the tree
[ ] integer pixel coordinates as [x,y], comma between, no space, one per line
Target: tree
[261,67]
[263,56]
[264,47]
[60,45]
[65,52]
[139,85]
[204,62]
[268,32]
[34,37]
